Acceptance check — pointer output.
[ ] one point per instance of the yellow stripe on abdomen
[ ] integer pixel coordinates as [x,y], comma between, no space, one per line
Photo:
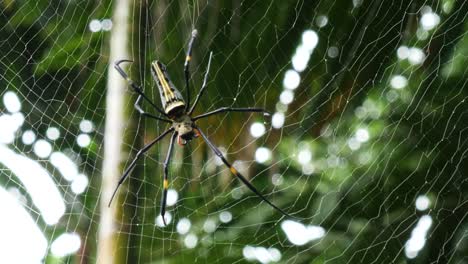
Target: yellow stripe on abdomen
[167,91]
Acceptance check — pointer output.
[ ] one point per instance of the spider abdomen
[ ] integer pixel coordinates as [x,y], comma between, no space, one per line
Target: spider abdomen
[171,98]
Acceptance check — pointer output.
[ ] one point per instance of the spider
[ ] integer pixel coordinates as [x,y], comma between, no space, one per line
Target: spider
[178,112]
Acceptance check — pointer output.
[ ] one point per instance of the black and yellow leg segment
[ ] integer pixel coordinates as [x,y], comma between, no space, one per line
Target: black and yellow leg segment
[133,163]
[238,175]
[165,179]
[231,109]
[202,89]
[135,86]
[188,58]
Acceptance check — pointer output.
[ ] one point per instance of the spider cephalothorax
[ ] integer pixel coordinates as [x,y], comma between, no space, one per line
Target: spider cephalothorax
[184,127]
[176,111]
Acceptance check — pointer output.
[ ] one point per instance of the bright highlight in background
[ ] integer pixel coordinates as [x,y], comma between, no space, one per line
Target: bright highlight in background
[65,165]
[18,120]
[37,182]
[429,21]
[66,244]
[7,133]
[321,21]
[308,168]
[333,52]
[11,102]
[354,144]
[422,202]
[309,39]
[300,59]
[403,52]
[42,148]
[53,133]
[257,129]
[262,155]
[69,171]
[261,254]
[209,226]
[28,137]
[299,234]
[106,24]
[418,237]
[183,226]
[9,124]
[277,121]
[79,184]
[299,62]
[191,241]
[83,140]
[398,82]
[286,97]
[291,79]
[21,239]
[362,135]
[416,56]
[97,25]
[172,197]
[304,156]
[86,126]
[159,222]
[225,217]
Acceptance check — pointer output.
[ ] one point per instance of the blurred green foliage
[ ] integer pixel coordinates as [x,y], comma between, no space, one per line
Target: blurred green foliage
[417,140]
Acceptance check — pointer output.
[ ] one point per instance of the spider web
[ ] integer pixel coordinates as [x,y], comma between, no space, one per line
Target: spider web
[366,144]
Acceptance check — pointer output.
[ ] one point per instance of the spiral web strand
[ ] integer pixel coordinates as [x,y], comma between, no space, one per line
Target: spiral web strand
[366,144]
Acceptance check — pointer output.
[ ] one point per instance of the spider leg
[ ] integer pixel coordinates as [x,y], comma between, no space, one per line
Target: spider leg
[135,86]
[230,109]
[238,175]
[188,58]
[165,181]
[133,163]
[137,106]
[202,89]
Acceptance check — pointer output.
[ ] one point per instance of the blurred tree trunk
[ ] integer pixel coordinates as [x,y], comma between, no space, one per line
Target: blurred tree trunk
[108,244]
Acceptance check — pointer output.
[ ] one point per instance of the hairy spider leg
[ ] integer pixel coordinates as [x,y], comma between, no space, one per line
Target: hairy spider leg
[137,88]
[165,179]
[231,109]
[202,89]
[238,175]
[188,58]
[133,163]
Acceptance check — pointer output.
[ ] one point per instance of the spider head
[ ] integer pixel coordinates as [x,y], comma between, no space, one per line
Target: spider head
[184,128]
